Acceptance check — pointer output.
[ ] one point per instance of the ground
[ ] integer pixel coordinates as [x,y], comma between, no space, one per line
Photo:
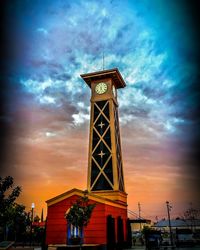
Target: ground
[164,248]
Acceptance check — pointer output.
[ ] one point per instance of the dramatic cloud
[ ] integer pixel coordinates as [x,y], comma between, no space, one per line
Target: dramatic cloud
[48,104]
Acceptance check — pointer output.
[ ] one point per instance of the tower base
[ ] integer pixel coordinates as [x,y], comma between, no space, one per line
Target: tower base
[117,196]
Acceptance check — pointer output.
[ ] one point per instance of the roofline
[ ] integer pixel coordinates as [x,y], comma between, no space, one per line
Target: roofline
[91,196]
[88,76]
[64,194]
[140,221]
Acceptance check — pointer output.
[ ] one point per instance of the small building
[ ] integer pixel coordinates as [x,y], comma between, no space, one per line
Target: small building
[138,224]
[108,221]
[178,224]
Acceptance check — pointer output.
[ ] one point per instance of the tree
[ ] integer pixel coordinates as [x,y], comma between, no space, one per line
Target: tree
[36,218]
[80,213]
[8,195]
[18,221]
[192,214]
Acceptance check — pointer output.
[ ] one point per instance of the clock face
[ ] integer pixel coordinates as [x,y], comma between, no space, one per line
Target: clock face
[101,88]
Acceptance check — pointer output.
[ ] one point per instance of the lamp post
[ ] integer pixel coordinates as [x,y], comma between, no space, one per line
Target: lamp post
[32,211]
[170,228]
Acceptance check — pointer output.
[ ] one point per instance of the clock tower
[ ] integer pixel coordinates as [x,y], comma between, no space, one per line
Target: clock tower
[105,167]
[108,225]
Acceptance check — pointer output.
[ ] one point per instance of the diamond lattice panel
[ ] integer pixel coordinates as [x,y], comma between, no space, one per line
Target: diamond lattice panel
[101,154]
[101,124]
[102,184]
[118,152]
[107,138]
[108,170]
[95,139]
[95,172]
[101,148]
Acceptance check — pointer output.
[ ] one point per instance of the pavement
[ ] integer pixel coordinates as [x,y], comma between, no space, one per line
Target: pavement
[144,248]
[165,248]
[137,248]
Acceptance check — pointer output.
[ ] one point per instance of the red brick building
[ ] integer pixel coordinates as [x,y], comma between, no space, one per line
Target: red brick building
[96,231]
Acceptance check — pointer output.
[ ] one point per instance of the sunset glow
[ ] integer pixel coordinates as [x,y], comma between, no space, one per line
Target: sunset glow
[46,107]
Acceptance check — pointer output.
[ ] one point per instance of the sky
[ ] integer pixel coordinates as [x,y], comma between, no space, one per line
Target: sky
[45,105]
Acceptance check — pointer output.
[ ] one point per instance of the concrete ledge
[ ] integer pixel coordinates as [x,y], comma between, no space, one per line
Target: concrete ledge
[74,247]
[21,248]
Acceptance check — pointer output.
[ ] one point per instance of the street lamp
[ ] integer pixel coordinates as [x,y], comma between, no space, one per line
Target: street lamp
[32,208]
[169,207]
[32,211]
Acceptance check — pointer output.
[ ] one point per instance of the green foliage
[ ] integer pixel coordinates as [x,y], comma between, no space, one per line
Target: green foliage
[80,212]
[15,222]
[8,193]
[146,229]
[13,218]
[36,219]
[18,219]
[39,234]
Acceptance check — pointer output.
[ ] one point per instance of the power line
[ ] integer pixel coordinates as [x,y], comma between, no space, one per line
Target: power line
[135,214]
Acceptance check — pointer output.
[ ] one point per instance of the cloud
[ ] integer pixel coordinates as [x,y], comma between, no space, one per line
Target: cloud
[42,30]
[80,118]
[48,104]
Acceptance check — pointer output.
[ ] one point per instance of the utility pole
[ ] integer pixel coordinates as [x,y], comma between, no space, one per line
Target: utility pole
[139,210]
[169,207]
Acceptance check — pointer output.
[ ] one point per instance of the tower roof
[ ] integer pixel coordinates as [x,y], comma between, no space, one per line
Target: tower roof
[114,74]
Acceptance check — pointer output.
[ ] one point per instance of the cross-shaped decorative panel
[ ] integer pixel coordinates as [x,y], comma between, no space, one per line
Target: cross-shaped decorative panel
[101,169]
